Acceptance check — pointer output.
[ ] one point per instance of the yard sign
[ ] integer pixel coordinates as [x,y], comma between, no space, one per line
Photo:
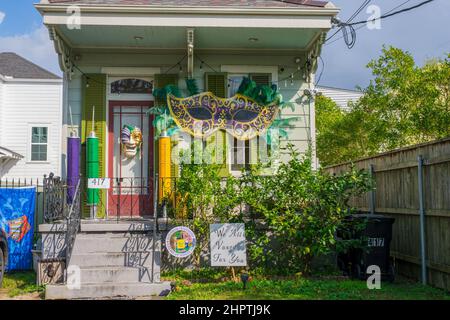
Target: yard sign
[228,245]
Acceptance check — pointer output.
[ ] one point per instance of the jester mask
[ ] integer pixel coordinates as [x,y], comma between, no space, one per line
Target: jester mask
[203,114]
[131,140]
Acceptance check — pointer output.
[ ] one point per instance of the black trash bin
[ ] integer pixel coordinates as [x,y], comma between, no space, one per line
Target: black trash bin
[376,236]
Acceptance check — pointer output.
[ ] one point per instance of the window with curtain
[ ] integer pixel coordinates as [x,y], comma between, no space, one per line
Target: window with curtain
[39,143]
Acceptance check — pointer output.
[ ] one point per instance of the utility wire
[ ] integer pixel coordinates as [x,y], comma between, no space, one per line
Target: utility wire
[362,26]
[353,16]
[393,13]
[321,71]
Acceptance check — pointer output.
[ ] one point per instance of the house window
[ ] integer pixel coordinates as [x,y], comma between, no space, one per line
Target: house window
[39,143]
[241,149]
[132,86]
[234,82]
[241,155]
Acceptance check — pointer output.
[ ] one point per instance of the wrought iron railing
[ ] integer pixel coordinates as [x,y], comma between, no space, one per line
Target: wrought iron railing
[55,194]
[73,222]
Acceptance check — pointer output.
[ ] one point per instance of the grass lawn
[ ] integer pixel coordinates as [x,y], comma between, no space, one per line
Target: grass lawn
[20,284]
[317,288]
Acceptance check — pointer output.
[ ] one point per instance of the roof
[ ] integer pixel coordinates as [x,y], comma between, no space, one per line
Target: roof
[340,96]
[13,65]
[200,3]
[9,154]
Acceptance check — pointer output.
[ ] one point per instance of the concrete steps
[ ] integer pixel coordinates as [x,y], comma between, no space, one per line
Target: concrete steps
[113,263]
[113,243]
[107,291]
[112,259]
[115,275]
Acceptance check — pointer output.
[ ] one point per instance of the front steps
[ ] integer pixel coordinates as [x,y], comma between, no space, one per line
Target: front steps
[111,290]
[112,264]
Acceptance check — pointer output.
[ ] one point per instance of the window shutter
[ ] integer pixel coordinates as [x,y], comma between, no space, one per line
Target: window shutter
[94,94]
[261,79]
[217,83]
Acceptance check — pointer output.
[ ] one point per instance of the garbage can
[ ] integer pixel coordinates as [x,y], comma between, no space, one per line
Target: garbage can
[375,235]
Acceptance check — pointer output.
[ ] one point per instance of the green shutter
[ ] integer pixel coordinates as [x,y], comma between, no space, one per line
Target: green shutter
[261,79]
[217,83]
[94,94]
[162,80]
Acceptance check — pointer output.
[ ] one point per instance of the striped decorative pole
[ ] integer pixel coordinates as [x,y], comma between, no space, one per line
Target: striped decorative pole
[164,166]
[73,166]
[92,168]
[73,161]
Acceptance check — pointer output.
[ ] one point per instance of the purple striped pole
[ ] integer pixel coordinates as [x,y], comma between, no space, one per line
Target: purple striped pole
[73,166]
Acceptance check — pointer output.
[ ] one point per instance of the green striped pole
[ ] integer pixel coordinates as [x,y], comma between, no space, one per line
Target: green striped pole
[92,144]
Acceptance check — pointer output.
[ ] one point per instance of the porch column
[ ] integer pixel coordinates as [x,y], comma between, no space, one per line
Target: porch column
[190,53]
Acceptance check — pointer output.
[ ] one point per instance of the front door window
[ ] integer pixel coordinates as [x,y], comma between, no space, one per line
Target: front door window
[131,160]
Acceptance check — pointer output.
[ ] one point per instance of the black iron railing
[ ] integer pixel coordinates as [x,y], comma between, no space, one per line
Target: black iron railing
[73,222]
[55,195]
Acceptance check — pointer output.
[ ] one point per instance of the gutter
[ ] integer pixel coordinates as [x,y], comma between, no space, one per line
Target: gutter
[301,11]
[12,80]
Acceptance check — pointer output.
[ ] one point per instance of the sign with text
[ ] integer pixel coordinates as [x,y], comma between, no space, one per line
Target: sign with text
[228,245]
[99,183]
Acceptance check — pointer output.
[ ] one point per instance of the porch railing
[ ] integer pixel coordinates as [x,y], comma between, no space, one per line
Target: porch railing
[73,222]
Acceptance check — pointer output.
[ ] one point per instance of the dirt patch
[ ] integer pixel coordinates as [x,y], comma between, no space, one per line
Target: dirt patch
[28,296]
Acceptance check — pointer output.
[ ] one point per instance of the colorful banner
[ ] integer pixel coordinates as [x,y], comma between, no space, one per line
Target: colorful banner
[17,207]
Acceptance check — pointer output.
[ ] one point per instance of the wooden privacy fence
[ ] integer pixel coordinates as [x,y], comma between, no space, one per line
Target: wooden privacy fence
[413,186]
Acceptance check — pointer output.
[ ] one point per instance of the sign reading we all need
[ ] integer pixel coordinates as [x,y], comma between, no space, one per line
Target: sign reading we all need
[228,245]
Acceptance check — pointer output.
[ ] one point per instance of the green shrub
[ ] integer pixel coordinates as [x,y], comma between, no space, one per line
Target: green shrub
[299,209]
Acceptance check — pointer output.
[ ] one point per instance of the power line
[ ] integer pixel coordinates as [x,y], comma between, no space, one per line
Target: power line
[321,72]
[393,13]
[362,26]
[353,16]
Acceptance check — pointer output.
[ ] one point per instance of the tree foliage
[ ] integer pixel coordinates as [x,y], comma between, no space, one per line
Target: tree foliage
[403,105]
[293,216]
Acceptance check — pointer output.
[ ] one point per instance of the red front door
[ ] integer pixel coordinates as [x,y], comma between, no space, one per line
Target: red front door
[130,168]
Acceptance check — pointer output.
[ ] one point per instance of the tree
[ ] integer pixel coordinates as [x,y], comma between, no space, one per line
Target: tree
[403,105]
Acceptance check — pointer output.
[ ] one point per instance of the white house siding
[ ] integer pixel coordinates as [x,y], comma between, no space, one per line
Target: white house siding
[26,104]
[300,136]
[340,96]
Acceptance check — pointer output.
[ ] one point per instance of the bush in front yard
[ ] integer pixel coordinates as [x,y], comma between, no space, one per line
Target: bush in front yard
[301,209]
[294,213]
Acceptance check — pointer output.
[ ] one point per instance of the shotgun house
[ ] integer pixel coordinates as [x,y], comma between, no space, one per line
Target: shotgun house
[199,58]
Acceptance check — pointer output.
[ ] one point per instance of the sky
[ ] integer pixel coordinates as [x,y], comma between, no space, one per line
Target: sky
[424,32]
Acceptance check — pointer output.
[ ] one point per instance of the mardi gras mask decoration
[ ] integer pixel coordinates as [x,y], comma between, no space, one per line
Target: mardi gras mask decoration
[131,140]
[203,114]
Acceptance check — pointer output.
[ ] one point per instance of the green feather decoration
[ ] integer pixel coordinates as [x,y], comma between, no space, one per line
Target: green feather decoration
[192,87]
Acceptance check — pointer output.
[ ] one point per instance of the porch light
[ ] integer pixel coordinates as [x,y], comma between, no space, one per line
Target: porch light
[253,39]
[138,38]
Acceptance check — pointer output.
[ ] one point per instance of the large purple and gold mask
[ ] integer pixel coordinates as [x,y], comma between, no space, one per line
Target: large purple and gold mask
[203,114]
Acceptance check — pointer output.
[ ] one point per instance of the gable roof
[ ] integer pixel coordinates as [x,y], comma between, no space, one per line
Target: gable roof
[13,65]
[201,3]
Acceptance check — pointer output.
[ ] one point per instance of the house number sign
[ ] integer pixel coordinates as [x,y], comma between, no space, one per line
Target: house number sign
[99,183]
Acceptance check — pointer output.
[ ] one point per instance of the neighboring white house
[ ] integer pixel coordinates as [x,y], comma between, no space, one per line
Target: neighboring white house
[30,119]
[340,96]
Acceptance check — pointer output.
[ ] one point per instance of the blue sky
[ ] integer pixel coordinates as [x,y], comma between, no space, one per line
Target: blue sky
[423,32]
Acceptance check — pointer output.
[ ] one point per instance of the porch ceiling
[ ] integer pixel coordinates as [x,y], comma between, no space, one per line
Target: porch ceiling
[146,37]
